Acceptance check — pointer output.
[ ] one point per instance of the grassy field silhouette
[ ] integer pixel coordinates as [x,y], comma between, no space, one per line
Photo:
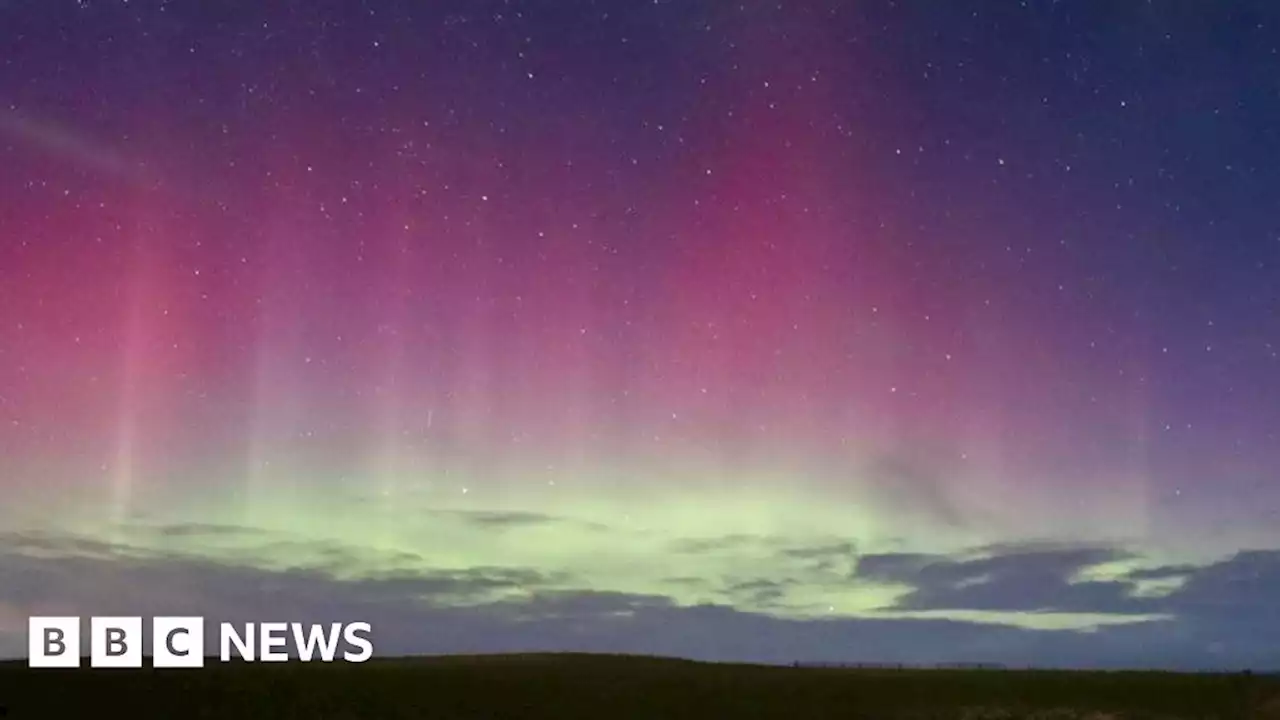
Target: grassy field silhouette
[605,687]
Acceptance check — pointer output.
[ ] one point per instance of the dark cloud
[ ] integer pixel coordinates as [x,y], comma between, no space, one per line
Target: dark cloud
[582,620]
[835,558]
[507,519]
[821,552]
[518,519]
[1232,607]
[580,605]
[1251,578]
[720,544]
[832,556]
[1019,579]
[492,520]
[204,530]
[895,567]
[1049,546]
[38,543]
[761,593]
[1227,611]
[472,585]
[1163,572]
[1223,616]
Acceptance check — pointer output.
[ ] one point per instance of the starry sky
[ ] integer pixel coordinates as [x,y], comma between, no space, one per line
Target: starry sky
[866,330]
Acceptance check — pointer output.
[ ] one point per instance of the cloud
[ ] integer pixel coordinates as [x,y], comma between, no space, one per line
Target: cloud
[37,544]
[1222,616]
[204,530]
[506,519]
[834,557]
[1163,572]
[724,543]
[1224,612]
[1009,579]
[1038,578]
[469,586]
[409,614]
[809,551]
[761,593]
[518,519]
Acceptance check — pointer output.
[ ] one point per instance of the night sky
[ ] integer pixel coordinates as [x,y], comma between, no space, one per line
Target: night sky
[910,331]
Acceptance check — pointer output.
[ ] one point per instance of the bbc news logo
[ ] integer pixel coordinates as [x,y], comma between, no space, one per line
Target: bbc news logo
[178,642]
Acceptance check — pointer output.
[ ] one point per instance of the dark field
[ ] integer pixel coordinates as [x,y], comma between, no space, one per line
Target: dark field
[605,688]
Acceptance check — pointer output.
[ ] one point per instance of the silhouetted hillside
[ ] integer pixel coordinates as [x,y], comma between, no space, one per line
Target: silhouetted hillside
[604,686]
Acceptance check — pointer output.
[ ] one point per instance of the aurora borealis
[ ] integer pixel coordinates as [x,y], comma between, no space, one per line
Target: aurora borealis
[862,330]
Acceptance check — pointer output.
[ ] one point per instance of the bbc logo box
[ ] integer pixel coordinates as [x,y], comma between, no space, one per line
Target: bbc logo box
[179,642]
[115,642]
